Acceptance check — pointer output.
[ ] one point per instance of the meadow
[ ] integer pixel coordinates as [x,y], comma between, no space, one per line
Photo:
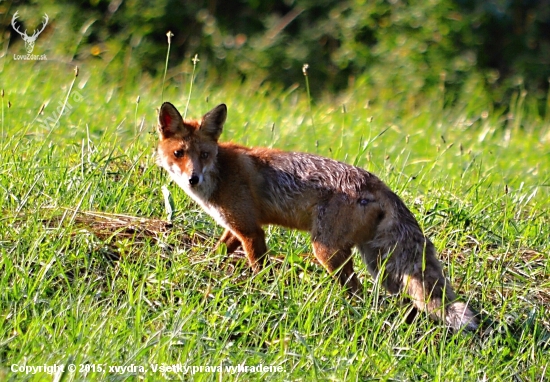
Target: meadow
[95,272]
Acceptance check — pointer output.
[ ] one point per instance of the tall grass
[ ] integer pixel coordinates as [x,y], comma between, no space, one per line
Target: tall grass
[98,290]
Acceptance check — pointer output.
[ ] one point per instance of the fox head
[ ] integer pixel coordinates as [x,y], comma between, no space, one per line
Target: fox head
[188,148]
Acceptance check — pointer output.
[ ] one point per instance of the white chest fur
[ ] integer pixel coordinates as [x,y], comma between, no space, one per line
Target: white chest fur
[200,194]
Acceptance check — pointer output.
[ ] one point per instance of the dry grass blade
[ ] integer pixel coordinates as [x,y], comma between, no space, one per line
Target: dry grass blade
[112,229]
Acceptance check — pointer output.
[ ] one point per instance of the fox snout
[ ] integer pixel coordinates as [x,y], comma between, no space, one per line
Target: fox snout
[194,179]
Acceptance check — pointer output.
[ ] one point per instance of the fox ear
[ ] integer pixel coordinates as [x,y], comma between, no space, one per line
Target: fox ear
[212,122]
[170,120]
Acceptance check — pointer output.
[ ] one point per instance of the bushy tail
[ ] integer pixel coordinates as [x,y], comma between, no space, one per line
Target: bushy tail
[435,296]
[409,264]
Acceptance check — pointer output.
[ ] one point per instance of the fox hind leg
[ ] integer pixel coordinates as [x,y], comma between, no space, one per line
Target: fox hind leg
[338,262]
[332,241]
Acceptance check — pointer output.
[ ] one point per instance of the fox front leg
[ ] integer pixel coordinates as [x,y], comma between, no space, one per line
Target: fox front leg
[253,242]
[231,241]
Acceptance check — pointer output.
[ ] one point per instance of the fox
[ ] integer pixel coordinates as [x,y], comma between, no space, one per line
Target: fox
[341,206]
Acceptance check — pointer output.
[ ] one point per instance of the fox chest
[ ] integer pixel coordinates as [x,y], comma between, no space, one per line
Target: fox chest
[215,212]
[217,215]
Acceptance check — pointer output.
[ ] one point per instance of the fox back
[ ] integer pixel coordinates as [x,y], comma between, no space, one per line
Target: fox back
[341,206]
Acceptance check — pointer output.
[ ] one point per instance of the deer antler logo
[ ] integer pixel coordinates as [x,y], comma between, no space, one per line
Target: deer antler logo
[29,40]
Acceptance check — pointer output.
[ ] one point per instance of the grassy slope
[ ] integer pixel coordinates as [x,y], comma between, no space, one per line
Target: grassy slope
[476,180]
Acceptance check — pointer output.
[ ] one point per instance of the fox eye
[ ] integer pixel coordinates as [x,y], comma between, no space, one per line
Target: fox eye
[178,153]
[204,155]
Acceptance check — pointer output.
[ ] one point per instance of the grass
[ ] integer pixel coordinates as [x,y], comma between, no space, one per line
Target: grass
[92,274]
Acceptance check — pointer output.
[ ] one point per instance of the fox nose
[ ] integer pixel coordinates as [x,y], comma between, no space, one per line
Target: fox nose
[194,180]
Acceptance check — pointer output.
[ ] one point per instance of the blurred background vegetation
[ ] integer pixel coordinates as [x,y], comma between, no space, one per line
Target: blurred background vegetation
[394,47]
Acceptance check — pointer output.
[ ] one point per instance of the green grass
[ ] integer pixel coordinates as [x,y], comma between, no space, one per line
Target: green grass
[109,290]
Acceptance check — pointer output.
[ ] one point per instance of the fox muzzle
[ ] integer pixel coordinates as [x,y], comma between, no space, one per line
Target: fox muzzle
[194,180]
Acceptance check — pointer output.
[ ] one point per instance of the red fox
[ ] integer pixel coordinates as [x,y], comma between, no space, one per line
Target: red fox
[341,206]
